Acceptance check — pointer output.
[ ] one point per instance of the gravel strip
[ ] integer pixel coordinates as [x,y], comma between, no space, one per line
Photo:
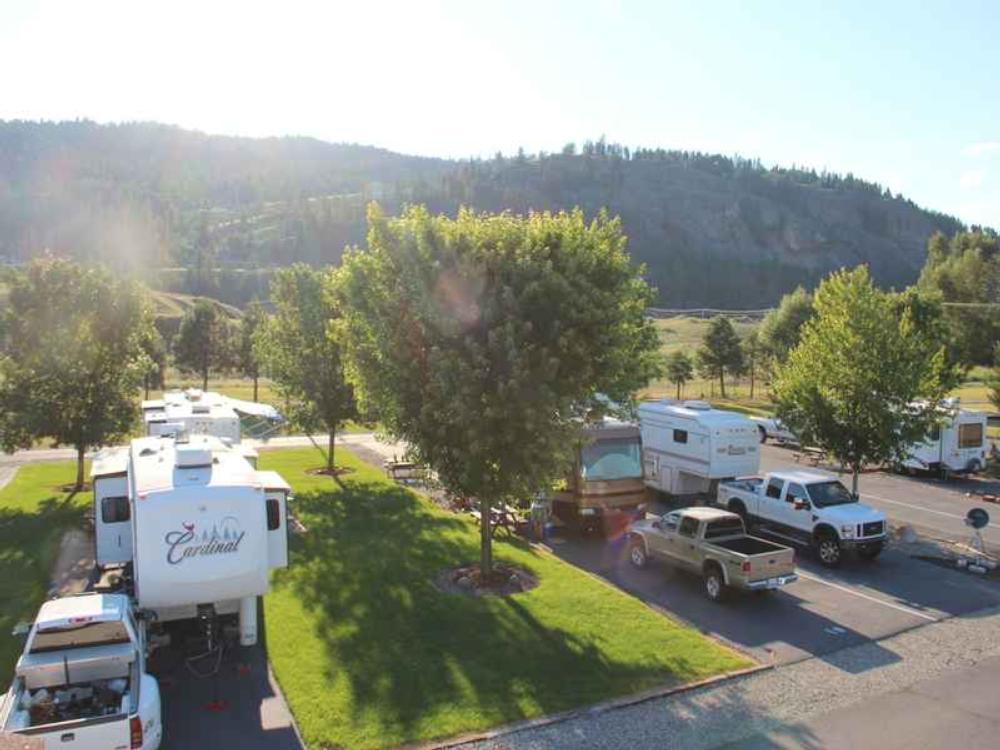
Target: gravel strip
[758,703]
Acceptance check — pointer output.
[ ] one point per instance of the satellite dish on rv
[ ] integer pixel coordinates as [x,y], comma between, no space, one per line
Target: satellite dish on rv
[977,518]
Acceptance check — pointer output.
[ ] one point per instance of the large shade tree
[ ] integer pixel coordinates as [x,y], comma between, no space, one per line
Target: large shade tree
[204,341]
[247,357]
[74,357]
[868,376]
[299,353]
[720,352]
[482,340]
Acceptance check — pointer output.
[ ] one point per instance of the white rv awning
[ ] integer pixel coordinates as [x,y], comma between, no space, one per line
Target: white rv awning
[265,411]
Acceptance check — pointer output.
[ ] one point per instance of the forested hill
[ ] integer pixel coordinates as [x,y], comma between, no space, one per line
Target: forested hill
[713,230]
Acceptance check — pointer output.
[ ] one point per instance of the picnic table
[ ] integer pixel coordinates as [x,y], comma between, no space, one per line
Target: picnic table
[405,472]
[501,517]
[815,456]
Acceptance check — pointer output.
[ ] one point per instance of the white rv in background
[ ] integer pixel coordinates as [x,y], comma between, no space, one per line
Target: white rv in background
[688,446]
[957,446]
[196,412]
[196,525]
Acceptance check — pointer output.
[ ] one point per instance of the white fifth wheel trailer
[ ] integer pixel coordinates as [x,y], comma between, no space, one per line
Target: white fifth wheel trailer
[957,446]
[196,526]
[688,446]
[198,412]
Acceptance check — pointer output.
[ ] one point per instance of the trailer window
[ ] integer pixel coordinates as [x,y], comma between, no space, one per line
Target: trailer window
[970,435]
[273,514]
[774,488]
[689,526]
[612,459]
[114,509]
[935,434]
[680,436]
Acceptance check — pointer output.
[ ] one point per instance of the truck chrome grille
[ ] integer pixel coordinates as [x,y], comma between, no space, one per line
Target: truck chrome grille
[875,528]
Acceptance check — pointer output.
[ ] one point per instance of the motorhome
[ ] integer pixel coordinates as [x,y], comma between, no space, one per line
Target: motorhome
[604,486]
[687,447]
[198,412]
[196,526]
[958,445]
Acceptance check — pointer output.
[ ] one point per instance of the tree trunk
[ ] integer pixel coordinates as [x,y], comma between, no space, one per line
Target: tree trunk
[678,390]
[329,451]
[486,540]
[855,472]
[204,379]
[255,388]
[145,383]
[751,380]
[722,383]
[80,450]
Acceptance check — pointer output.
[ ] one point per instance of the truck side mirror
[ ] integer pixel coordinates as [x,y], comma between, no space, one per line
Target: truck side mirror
[657,524]
[801,505]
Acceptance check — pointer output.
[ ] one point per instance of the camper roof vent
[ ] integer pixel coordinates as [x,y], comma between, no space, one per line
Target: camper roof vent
[699,405]
[192,457]
[194,394]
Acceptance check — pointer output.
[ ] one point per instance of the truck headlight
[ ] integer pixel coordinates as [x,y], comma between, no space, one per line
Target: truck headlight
[847,530]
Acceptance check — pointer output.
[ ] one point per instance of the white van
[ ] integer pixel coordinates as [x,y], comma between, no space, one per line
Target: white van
[688,446]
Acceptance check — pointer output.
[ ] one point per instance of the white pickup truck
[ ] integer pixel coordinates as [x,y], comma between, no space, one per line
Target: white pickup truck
[807,508]
[775,429]
[81,682]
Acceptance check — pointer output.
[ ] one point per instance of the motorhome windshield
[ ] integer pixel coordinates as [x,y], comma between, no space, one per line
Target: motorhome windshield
[612,459]
[825,494]
[90,634]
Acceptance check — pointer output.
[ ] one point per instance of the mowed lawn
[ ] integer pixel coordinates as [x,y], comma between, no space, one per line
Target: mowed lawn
[371,654]
[34,514]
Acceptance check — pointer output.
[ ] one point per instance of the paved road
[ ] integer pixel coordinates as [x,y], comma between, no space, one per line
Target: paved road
[957,709]
[931,506]
[819,615]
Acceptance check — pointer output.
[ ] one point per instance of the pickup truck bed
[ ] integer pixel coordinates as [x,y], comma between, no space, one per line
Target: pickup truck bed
[748,545]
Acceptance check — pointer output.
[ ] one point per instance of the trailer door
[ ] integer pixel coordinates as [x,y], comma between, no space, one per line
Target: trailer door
[112,520]
[277,528]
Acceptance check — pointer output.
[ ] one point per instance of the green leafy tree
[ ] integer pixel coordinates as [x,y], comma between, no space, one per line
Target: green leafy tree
[964,272]
[482,340]
[203,341]
[156,350]
[866,379]
[301,355]
[73,357]
[778,333]
[720,352]
[752,354]
[680,369]
[247,360]
[993,384]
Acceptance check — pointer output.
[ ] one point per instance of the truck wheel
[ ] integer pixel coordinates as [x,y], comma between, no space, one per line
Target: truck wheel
[715,586]
[735,506]
[637,552]
[828,549]
[870,551]
[763,434]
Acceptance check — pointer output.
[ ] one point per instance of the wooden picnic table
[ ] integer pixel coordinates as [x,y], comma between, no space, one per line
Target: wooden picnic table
[815,456]
[501,517]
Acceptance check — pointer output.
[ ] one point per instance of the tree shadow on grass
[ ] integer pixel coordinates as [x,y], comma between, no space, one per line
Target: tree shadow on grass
[29,543]
[410,652]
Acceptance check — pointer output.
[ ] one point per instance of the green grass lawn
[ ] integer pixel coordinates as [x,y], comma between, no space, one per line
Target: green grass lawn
[34,514]
[370,654]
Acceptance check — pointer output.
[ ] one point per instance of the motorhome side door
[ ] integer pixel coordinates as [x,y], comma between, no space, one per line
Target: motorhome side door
[277,528]
[112,520]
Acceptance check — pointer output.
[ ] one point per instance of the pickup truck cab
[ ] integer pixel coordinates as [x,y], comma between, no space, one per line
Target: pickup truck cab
[807,508]
[81,682]
[713,543]
[775,429]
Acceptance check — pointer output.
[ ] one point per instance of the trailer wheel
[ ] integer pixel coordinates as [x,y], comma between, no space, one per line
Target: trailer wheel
[715,585]
[737,507]
[637,552]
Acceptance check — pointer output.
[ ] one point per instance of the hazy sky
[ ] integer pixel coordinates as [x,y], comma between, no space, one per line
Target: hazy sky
[906,94]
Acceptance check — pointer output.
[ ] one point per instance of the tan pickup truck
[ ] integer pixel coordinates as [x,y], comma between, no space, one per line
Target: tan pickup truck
[713,543]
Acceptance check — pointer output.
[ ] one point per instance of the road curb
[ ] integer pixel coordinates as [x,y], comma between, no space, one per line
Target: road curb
[614,704]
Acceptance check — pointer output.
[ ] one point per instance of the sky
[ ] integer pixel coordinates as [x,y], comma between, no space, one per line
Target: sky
[906,94]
